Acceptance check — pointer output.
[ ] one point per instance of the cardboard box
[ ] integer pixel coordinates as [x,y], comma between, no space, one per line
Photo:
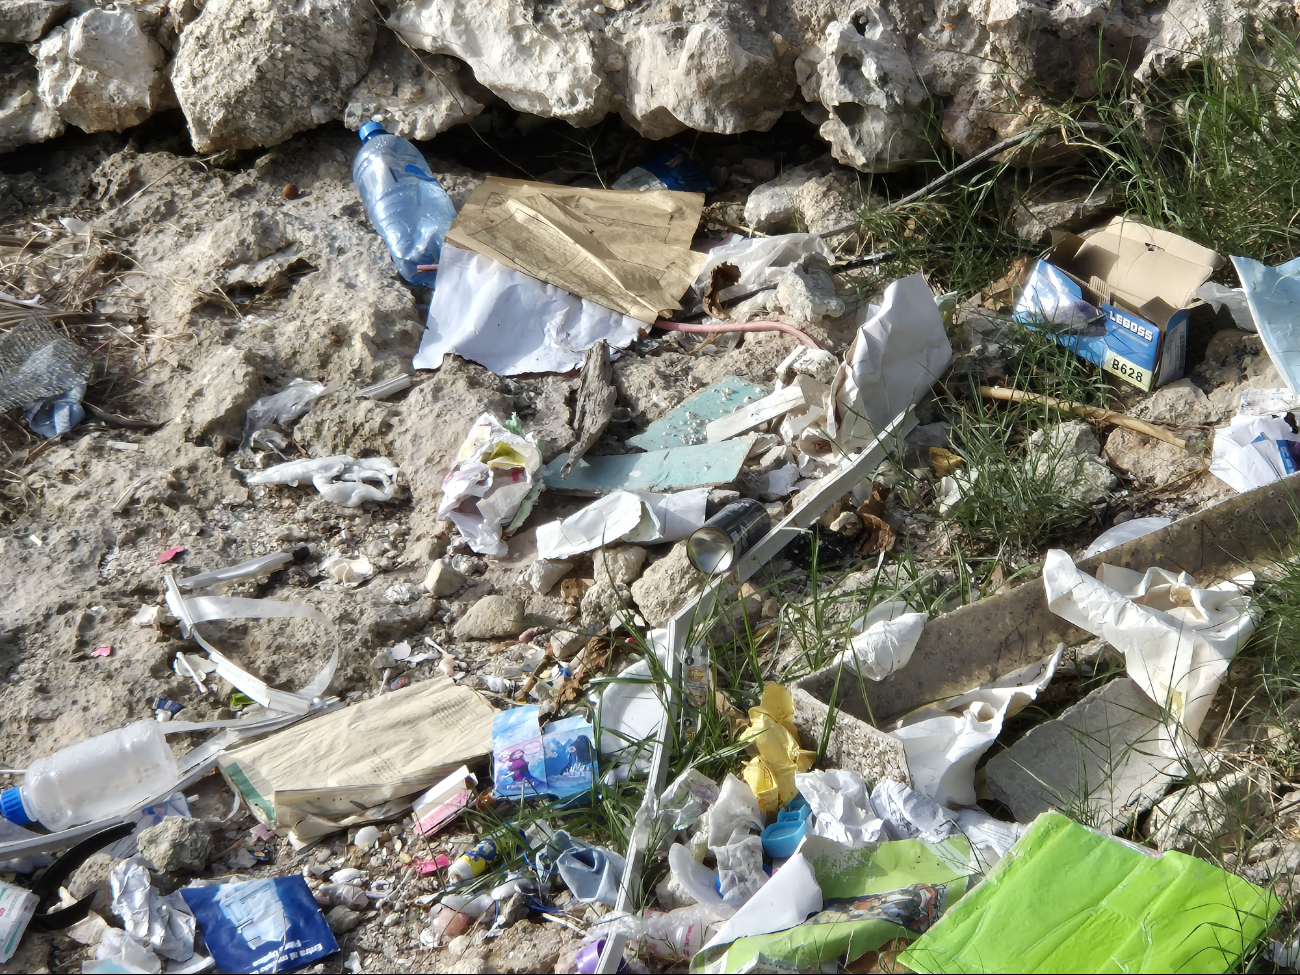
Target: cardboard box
[1120,298]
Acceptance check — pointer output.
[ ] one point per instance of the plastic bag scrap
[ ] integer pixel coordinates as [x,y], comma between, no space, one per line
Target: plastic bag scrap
[491,485]
[1273,294]
[279,410]
[629,516]
[672,170]
[943,742]
[775,740]
[884,640]
[1125,531]
[258,926]
[341,479]
[163,924]
[1234,299]
[1177,638]
[757,263]
[672,935]
[119,952]
[44,371]
[1253,451]
[592,873]
[629,709]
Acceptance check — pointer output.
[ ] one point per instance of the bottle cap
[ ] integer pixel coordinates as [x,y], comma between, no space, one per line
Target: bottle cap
[11,807]
[369,130]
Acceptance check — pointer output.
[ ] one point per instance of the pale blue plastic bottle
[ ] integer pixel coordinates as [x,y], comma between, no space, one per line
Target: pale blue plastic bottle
[404,200]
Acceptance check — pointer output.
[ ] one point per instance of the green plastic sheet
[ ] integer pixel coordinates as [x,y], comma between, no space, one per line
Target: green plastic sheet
[1067,899]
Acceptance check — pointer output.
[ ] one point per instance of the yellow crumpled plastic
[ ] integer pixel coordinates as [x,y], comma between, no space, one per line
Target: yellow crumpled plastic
[774,741]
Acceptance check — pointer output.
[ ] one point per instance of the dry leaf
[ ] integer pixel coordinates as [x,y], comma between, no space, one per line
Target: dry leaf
[875,505]
[723,277]
[735,718]
[877,536]
[944,461]
[996,580]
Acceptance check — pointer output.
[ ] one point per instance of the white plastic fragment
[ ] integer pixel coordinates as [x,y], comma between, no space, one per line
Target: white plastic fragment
[1253,451]
[1125,531]
[262,565]
[1177,638]
[884,640]
[943,742]
[149,615]
[344,571]
[367,836]
[341,479]
[543,574]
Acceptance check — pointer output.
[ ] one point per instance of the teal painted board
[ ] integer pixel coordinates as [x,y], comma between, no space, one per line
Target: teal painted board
[685,425]
[699,465]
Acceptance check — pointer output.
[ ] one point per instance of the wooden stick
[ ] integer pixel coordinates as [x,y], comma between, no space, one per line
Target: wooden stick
[1091,412]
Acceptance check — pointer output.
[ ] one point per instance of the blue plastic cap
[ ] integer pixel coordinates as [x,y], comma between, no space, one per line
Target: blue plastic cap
[11,807]
[369,130]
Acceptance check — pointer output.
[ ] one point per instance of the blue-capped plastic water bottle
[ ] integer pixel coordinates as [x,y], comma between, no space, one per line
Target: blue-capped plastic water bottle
[404,200]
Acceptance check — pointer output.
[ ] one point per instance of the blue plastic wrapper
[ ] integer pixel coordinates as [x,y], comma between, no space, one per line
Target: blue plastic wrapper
[261,925]
[671,171]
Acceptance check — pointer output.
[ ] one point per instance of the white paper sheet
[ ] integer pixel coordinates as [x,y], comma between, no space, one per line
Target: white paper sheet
[510,322]
[1252,451]
[1177,639]
[900,351]
[784,901]
[944,742]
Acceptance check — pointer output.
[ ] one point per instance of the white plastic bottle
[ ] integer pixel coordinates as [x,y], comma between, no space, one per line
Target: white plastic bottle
[404,200]
[93,779]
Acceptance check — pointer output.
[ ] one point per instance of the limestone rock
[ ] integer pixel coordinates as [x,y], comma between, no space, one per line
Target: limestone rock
[1180,402]
[714,68]
[92,878]
[1067,455]
[255,72]
[1150,462]
[620,564]
[1189,28]
[1072,205]
[666,586]
[24,117]
[604,604]
[491,617]
[1206,814]
[177,843]
[102,72]
[530,946]
[831,202]
[414,95]
[773,207]
[342,919]
[23,21]
[865,93]
[539,59]
[442,580]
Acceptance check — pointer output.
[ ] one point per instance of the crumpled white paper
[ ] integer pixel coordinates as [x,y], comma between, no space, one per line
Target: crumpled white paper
[511,322]
[1177,638]
[884,640]
[493,475]
[1252,451]
[163,924]
[629,516]
[341,479]
[735,814]
[943,742]
[900,351]
[841,808]
[784,901]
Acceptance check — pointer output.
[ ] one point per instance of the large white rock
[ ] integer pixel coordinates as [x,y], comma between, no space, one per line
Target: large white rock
[865,93]
[252,73]
[542,59]
[22,21]
[24,117]
[724,73]
[101,72]
[414,95]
